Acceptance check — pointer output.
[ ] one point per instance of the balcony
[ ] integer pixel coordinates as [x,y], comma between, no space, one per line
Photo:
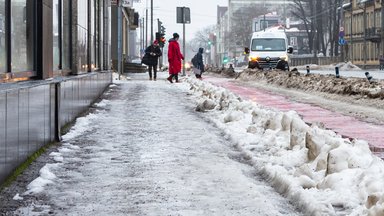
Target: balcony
[373,34]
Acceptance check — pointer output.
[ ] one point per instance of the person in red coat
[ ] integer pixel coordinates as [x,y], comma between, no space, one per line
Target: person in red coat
[174,58]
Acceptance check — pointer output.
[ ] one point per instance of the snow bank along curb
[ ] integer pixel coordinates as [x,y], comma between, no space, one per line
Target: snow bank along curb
[320,171]
[359,87]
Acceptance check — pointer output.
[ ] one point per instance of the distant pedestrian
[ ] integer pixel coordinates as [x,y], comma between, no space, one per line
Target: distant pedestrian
[198,63]
[174,58]
[152,54]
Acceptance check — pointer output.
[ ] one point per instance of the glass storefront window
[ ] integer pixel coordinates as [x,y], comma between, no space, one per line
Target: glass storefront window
[22,35]
[101,32]
[82,40]
[3,51]
[92,32]
[56,34]
[66,37]
[96,34]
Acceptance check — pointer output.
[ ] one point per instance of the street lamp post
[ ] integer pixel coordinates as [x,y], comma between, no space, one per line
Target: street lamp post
[151,21]
[382,27]
[119,40]
[184,41]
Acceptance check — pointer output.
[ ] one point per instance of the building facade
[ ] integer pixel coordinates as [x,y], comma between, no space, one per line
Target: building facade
[55,61]
[221,30]
[363,26]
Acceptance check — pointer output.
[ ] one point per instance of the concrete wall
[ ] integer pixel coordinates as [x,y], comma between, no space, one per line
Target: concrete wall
[32,113]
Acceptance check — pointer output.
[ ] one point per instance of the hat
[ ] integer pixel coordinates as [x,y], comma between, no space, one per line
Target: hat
[156,42]
[175,35]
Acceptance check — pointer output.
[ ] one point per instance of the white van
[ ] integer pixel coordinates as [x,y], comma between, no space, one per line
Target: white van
[269,49]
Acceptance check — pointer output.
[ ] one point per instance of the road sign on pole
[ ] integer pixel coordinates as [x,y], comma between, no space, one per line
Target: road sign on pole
[183,15]
[127,3]
[113,2]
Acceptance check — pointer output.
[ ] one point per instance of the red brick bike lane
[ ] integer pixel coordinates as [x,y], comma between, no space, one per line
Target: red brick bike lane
[346,126]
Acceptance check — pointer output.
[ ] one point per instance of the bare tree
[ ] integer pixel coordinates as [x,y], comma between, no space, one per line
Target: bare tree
[241,30]
[201,38]
[321,21]
[304,11]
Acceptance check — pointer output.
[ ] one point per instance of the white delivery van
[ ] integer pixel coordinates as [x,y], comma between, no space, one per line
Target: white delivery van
[269,50]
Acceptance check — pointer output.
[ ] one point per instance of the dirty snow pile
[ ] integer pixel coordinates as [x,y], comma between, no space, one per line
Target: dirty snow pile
[358,88]
[346,86]
[321,172]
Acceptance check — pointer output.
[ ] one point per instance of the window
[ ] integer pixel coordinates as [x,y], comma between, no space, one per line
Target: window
[268,44]
[101,36]
[92,31]
[56,34]
[61,25]
[66,35]
[22,35]
[82,36]
[3,49]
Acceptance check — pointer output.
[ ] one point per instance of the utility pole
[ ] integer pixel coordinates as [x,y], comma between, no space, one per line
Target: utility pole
[146,27]
[119,40]
[151,21]
[142,35]
[184,41]
[183,15]
[351,35]
[382,27]
[341,30]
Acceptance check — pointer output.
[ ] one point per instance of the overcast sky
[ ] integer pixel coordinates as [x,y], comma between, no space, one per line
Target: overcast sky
[203,14]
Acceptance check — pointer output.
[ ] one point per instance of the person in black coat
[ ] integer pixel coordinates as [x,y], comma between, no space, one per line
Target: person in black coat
[199,62]
[153,53]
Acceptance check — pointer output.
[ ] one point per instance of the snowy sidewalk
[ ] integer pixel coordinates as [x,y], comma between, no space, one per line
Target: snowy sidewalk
[146,151]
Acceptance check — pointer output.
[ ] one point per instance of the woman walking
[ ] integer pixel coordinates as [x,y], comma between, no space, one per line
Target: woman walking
[152,54]
[198,63]
[174,58]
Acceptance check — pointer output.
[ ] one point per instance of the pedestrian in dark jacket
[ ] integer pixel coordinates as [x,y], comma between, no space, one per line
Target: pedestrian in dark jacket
[174,58]
[199,63]
[153,52]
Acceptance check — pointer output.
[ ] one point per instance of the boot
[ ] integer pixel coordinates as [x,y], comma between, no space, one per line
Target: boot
[170,78]
[177,78]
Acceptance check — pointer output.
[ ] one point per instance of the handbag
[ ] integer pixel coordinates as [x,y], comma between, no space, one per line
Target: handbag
[196,71]
[145,60]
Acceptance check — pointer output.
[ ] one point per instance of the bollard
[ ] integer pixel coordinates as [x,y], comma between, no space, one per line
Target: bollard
[369,77]
[337,72]
[308,69]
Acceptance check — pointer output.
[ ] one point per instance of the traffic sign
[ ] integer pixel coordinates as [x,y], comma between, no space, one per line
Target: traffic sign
[113,2]
[127,3]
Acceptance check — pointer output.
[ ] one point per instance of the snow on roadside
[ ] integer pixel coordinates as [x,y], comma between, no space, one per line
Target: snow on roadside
[323,173]
[343,66]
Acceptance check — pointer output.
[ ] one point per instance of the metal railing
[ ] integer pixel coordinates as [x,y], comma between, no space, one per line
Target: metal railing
[296,61]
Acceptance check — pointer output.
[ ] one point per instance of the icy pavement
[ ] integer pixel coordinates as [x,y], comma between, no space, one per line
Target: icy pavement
[146,151]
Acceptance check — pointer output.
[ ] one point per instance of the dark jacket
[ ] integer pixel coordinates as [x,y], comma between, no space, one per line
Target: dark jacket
[153,59]
[199,56]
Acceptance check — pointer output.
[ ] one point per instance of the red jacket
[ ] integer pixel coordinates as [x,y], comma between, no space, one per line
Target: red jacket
[174,57]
